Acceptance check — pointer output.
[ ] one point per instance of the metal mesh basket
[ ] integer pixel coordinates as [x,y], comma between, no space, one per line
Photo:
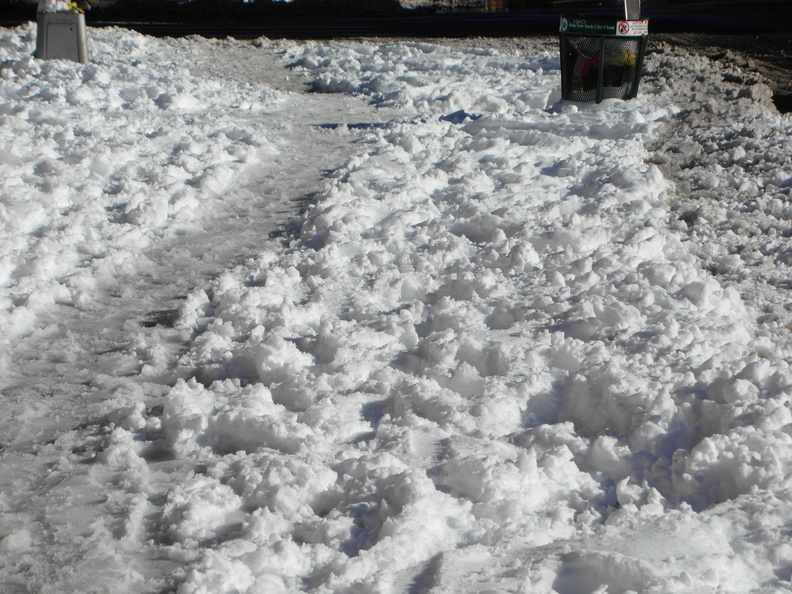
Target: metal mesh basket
[597,67]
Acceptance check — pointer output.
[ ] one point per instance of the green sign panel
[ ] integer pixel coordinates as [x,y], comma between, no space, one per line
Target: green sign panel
[590,26]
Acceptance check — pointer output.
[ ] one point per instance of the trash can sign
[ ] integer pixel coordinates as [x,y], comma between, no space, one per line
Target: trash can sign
[632,28]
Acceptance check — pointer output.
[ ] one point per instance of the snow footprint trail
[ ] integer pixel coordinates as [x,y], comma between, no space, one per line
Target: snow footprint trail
[87,358]
[490,357]
[486,362]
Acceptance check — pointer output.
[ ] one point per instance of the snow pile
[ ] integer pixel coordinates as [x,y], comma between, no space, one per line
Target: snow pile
[490,356]
[104,156]
[53,6]
[431,79]
[485,338]
[733,177]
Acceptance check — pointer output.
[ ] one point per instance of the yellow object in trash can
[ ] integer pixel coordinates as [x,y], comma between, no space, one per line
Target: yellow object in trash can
[623,58]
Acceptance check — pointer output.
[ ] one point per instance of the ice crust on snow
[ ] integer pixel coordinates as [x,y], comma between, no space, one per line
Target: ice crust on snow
[514,344]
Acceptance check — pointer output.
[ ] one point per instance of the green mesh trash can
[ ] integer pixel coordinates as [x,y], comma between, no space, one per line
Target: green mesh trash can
[601,58]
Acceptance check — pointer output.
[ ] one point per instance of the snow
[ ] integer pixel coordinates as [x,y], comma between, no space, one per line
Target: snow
[425,328]
[53,6]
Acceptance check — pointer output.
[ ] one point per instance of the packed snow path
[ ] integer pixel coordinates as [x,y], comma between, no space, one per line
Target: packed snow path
[120,335]
[312,140]
[514,344]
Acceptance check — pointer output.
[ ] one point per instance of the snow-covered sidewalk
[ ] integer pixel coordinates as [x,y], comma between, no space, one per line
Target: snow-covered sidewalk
[229,155]
[513,344]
